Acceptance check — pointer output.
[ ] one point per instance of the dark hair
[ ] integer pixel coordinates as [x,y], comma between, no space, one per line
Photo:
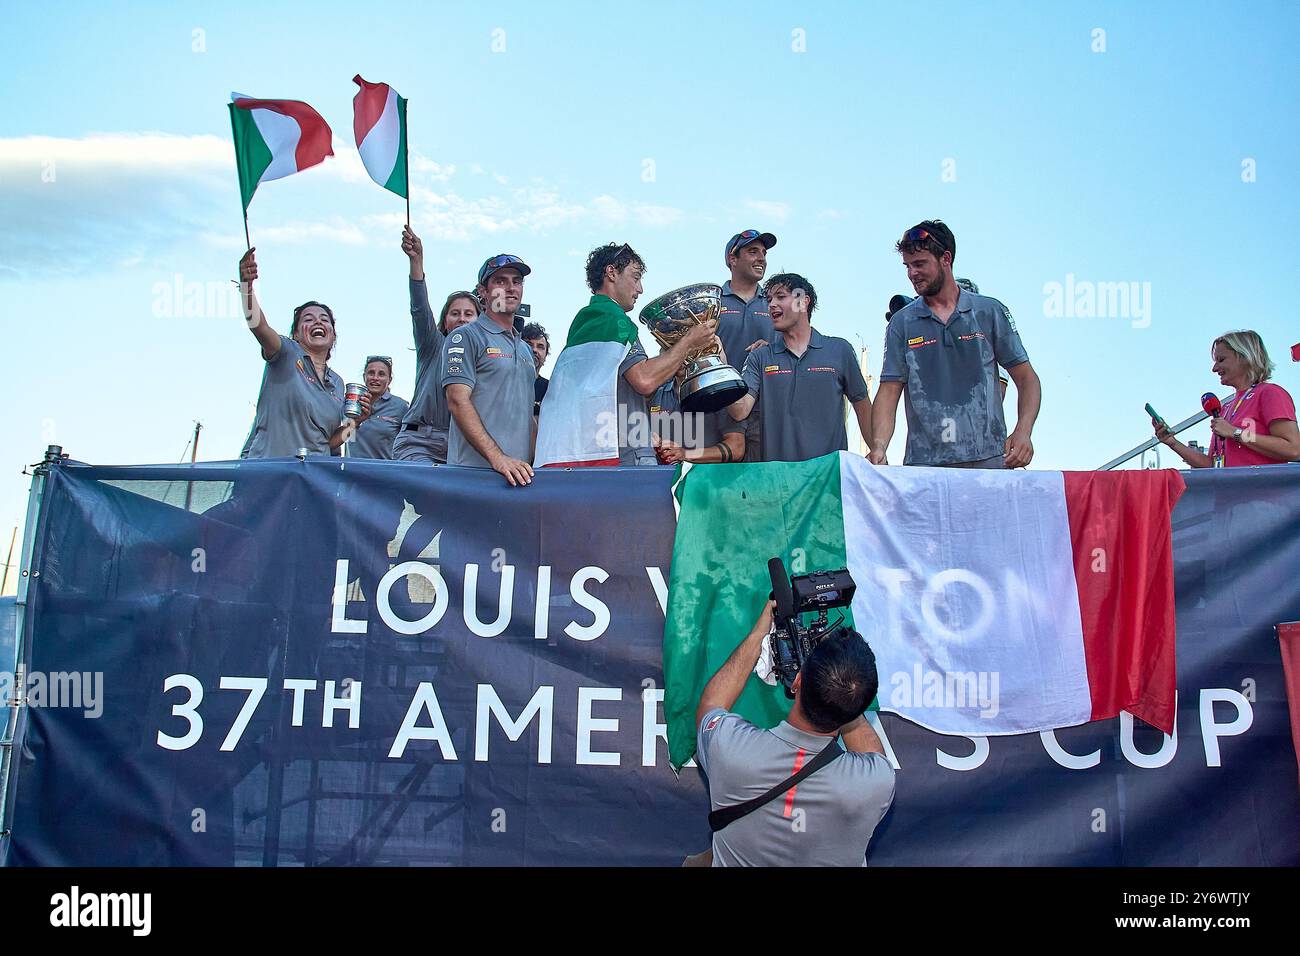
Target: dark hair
[792,281]
[611,254]
[442,316]
[940,240]
[297,313]
[839,680]
[534,331]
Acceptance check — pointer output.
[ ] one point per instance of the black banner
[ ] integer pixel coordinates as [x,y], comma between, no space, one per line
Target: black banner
[381,663]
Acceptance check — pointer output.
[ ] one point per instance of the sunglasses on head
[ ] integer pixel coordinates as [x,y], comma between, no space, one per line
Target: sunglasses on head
[921,235]
[498,262]
[747,236]
[386,359]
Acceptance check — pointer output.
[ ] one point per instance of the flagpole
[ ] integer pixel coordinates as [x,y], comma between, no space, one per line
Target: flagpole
[406,162]
[234,139]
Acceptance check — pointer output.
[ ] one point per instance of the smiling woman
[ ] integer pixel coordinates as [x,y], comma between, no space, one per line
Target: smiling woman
[300,404]
[1254,426]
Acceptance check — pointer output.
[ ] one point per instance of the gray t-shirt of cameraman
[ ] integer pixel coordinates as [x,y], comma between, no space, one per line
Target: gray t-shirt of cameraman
[827,820]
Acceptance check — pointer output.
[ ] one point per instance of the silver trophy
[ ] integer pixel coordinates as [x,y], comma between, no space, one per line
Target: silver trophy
[710,382]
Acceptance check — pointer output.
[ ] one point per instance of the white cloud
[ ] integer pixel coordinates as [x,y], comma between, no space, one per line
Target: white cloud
[27,154]
[336,230]
[76,205]
[768,209]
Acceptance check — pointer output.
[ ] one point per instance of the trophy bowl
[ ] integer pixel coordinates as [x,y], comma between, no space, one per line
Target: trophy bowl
[711,384]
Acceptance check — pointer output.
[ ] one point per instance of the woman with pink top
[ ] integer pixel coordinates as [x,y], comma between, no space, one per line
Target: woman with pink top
[1257,425]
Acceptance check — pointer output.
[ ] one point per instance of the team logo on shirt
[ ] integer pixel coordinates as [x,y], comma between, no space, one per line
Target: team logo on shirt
[459,348]
[1010,321]
[713,722]
[972,335]
[822,368]
[776,370]
[453,368]
[916,341]
[494,352]
[456,337]
[919,342]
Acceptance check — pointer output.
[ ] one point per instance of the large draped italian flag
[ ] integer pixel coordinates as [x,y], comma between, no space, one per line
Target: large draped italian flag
[579,423]
[274,139]
[379,124]
[996,602]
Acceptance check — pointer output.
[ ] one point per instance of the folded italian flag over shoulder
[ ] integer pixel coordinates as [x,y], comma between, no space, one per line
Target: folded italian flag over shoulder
[274,139]
[578,424]
[996,602]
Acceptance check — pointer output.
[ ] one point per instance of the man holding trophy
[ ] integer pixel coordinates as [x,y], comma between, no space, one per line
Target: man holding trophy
[595,411]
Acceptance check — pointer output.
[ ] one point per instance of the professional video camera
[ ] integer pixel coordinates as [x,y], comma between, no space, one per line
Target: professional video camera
[792,641]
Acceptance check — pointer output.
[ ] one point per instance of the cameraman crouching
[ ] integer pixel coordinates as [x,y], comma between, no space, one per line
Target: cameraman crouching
[826,818]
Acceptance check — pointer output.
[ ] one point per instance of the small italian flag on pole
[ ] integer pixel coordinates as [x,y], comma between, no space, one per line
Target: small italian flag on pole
[274,139]
[379,122]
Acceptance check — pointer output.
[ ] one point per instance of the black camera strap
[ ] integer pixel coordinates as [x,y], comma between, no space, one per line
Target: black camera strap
[724,816]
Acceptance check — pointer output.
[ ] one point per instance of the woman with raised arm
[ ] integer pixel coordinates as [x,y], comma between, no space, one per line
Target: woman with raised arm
[1257,424]
[423,435]
[300,404]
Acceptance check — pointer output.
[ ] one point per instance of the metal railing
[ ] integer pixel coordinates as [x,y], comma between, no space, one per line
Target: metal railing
[1153,441]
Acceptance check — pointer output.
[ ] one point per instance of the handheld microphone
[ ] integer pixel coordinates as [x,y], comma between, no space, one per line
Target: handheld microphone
[781,592]
[1210,402]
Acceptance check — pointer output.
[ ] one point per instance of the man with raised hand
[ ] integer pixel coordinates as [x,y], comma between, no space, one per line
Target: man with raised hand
[487,374]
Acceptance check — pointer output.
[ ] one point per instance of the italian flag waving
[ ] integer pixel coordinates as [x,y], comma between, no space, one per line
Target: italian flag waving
[379,123]
[579,420]
[274,139]
[995,602]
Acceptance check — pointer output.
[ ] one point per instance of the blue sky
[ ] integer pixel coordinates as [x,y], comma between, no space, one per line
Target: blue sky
[669,126]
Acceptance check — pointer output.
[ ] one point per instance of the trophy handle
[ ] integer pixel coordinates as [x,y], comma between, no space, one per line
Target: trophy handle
[710,312]
[668,341]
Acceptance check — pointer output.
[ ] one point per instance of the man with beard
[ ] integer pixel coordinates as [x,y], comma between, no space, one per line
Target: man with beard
[800,380]
[942,351]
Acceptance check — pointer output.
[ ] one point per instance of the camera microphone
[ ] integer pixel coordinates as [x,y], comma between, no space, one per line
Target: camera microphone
[1210,402]
[781,592]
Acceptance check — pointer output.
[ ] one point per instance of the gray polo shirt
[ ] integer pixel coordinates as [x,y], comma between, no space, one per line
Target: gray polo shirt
[801,397]
[635,446]
[825,820]
[296,408]
[429,403]
[741,323]
[498,367]
[954,408]
[690,430]
[374,438]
